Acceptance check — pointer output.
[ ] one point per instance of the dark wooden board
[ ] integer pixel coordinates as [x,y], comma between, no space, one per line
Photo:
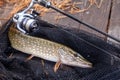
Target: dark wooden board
[114,28]
[4,13]
[97,17]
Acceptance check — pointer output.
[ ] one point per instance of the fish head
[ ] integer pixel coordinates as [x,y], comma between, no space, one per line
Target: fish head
[73,58]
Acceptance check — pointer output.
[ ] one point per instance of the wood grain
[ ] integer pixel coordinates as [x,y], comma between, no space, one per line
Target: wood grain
[4,13]
[97,17]
[114,28]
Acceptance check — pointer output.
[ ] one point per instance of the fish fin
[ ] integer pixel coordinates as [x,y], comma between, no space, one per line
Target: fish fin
[57,65]
[29,58]
[10,56]
[43,64]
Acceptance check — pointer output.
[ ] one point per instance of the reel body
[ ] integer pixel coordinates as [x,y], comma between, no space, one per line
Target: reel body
[25,22]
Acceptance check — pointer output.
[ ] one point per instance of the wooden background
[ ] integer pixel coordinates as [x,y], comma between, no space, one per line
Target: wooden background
[106,18]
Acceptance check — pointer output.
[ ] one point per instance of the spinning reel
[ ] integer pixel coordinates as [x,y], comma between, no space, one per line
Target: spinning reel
[26,22]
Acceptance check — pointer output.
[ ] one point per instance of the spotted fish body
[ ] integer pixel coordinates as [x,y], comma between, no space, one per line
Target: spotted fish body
[46,49]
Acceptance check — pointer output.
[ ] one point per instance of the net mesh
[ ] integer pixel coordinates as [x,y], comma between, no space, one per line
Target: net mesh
[106,65]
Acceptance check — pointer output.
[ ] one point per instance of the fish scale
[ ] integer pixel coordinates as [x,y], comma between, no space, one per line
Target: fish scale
[46,49]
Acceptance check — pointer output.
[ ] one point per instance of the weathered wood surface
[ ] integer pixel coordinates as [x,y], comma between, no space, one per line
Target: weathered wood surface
[4,13]
[114,28]
[97,17]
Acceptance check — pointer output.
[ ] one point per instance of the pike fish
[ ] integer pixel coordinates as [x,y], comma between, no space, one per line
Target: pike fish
[46,49]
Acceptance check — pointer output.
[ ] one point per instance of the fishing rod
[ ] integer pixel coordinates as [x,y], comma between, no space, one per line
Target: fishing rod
[26,22]
[48,4]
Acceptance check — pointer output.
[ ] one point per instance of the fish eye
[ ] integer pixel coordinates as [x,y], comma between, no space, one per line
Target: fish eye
[75,55]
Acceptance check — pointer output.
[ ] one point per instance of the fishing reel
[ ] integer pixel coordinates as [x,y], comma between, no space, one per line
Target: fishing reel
[26,22]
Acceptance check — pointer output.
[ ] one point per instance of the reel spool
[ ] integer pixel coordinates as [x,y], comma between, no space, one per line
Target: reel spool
[26,23]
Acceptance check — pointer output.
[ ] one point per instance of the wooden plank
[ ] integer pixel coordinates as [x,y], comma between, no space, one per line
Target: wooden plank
[114,28]
[97,17]
[94,16]
[4,13]
[50,17]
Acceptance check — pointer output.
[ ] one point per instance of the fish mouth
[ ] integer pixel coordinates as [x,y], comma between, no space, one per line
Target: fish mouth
[86,65]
